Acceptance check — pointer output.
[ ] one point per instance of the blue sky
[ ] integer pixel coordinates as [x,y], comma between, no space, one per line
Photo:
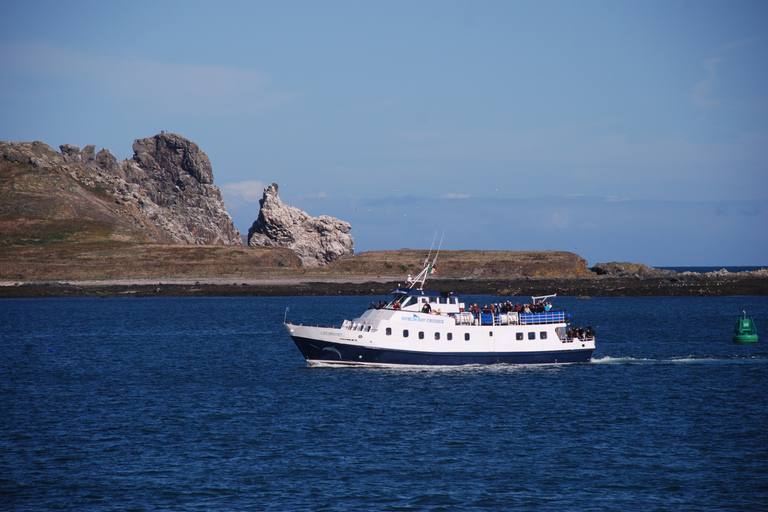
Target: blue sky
[622,131]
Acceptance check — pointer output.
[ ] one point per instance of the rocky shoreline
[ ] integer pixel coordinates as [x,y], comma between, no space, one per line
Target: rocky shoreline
[684,285]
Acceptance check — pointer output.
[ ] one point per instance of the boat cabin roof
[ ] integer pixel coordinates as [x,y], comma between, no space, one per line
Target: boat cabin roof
[426,293]
[409,299]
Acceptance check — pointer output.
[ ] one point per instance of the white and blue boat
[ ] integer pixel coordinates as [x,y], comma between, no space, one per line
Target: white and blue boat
[420,327]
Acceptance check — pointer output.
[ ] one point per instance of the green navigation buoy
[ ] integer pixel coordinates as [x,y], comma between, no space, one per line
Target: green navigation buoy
[744,331]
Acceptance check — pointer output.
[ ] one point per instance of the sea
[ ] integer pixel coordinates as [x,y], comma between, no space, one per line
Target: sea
[205,404]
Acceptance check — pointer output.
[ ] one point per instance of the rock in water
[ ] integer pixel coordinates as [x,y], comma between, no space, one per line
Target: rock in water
[317,240]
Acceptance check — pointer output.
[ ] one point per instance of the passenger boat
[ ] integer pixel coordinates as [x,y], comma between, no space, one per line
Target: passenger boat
[420,327]
[744,331]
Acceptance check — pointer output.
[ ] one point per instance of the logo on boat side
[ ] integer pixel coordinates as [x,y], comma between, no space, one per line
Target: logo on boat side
[417,318]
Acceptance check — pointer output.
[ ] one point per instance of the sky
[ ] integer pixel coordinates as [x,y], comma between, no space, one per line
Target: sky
[619,130]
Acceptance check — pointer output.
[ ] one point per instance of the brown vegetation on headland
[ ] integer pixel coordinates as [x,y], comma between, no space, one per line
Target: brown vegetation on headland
[464,264]
[77,262]
[110,260]
[136,270]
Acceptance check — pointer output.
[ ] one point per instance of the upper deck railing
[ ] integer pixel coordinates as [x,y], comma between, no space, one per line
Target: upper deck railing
[547,317]
[512,318]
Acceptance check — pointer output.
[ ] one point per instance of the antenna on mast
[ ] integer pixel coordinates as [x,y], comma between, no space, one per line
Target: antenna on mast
[429,254]
[438,247]
[429,267]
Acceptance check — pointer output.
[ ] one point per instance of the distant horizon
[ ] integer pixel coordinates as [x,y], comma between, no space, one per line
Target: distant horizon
[540,223]
[244,236]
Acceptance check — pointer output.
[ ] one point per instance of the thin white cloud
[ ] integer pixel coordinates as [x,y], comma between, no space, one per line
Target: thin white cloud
[163,85]
[558,219]
[703,94]
[250,191]
[455,196]
[582,146]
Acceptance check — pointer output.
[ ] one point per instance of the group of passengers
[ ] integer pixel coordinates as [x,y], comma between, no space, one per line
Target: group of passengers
[508,307]
[580,333]
[504,307]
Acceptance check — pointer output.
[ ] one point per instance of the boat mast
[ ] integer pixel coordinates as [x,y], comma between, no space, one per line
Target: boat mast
[428,266]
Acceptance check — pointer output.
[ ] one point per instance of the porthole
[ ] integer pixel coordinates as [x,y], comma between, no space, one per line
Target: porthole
[531,335]
[519,336]
[543,335]
[405,333]
[389,331]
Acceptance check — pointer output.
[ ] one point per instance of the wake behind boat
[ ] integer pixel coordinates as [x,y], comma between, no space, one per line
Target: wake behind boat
[420,327]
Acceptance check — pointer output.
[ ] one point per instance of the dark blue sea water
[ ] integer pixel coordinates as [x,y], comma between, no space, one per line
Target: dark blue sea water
[206,404]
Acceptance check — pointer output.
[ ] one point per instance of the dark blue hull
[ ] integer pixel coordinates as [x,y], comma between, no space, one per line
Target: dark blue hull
[326,352]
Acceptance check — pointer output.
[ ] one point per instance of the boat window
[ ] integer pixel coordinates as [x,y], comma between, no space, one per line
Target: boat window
[437,335]
[421,335]
[519,336]
[531,335]
[543,335]
[433,299]
[412,300]
[453,300]
[450,336]
[389,331]
[443,300]
[405,333]
[466,336]
[367,328]
[490,333]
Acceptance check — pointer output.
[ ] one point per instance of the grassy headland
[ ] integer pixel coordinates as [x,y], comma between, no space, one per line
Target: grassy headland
[126,269]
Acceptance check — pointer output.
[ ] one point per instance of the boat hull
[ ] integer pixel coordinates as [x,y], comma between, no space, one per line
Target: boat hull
[326,352]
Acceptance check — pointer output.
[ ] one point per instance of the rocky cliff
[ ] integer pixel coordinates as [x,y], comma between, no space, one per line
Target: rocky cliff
[165,193]
[317,240]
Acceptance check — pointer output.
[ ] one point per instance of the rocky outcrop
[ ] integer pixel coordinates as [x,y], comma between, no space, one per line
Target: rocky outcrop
[165,193]
[625,269]
[317,240]
[169,157]
[175,179]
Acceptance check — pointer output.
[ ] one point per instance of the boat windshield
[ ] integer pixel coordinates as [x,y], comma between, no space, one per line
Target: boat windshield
[398,299]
